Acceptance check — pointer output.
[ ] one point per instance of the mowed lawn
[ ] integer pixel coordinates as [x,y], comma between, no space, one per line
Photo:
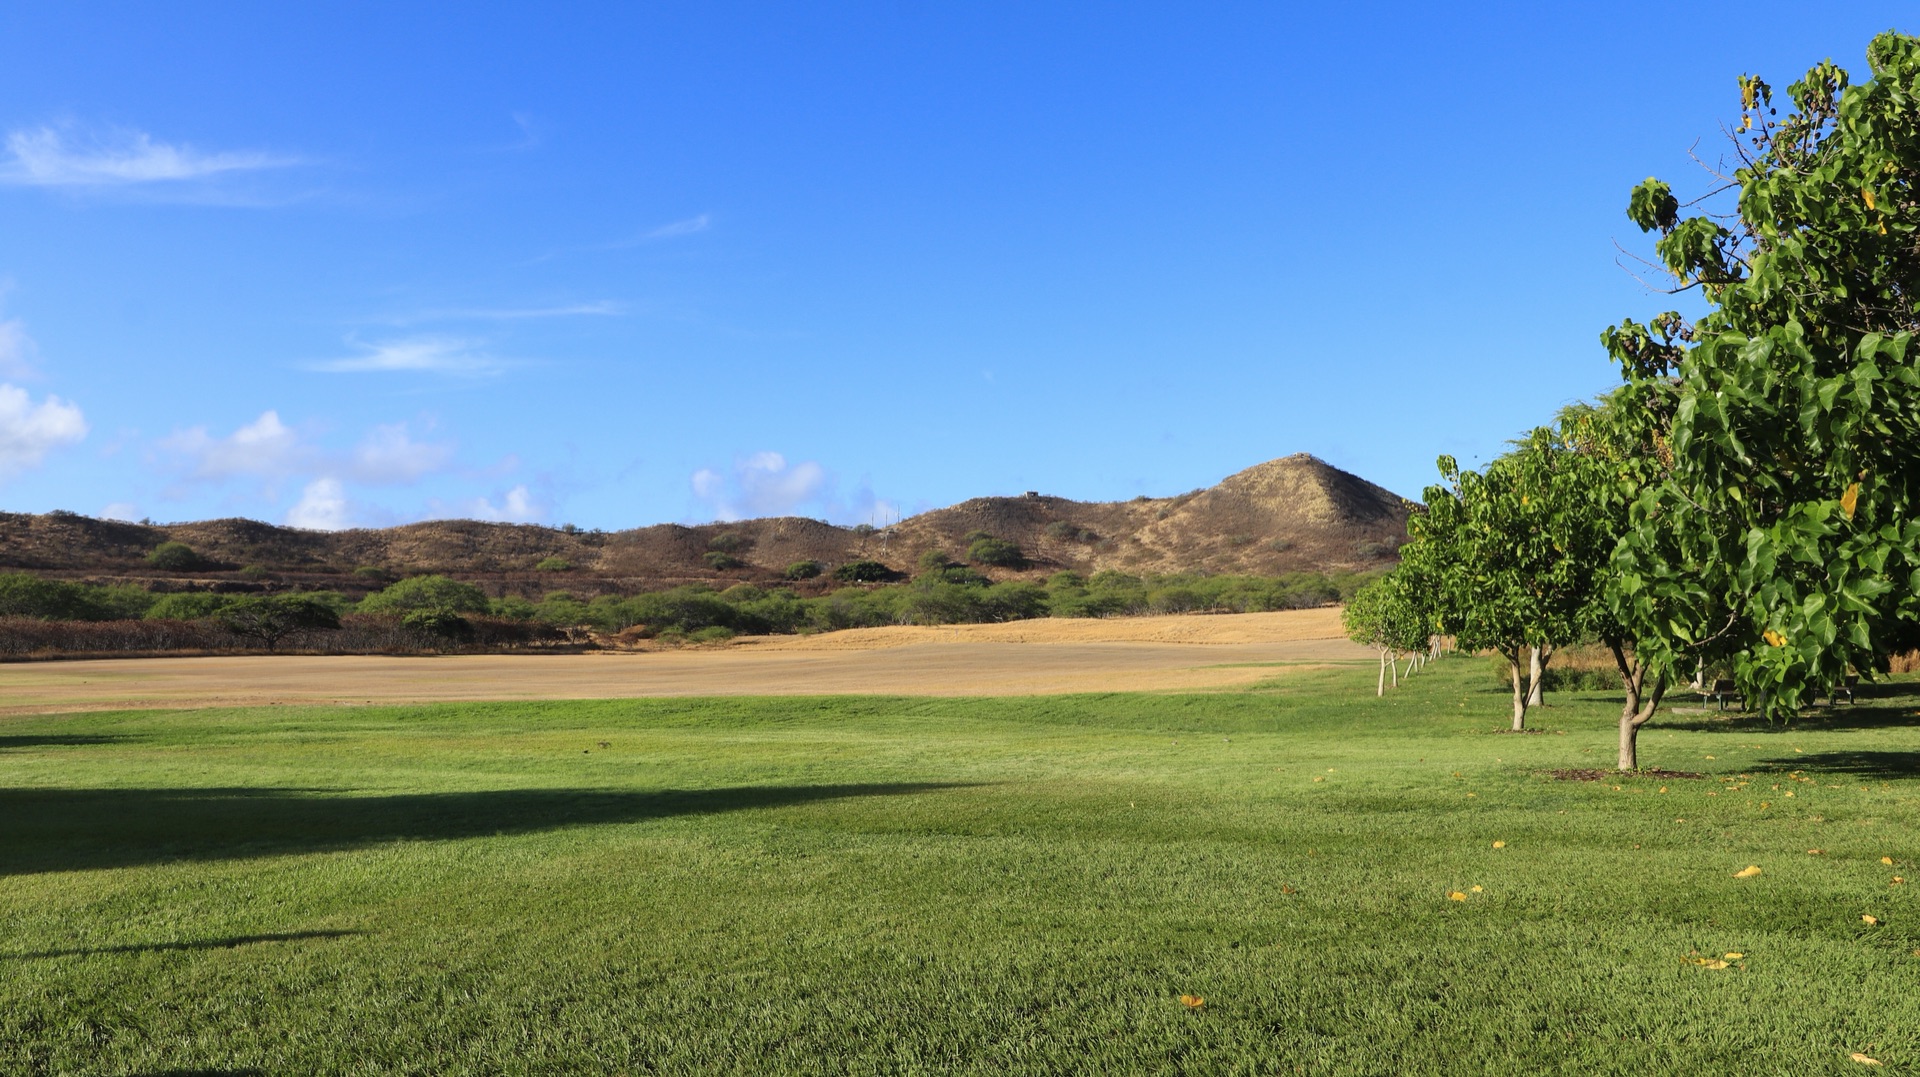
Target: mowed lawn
[1012,885]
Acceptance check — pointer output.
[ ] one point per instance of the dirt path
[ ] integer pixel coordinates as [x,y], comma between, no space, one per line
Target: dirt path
[1039,657]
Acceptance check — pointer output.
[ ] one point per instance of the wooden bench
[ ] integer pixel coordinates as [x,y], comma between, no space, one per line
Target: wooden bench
[1722,691]
[1844,688]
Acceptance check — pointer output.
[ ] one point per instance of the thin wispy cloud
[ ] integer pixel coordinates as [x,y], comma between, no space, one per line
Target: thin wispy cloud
[605,308]
[61,157]
[678,228]
[670,230]
[17,350]
[455,356]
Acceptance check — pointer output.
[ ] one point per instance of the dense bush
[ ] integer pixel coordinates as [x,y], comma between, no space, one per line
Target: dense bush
[427,593]
[174,557]
[22,594]
[863,572]
[187,606]
[721,560]
[440,624]
[552,564]
[803,570]
[728,542]
[987,550]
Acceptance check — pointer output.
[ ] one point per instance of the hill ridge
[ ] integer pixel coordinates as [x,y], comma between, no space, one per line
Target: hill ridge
[1294,513]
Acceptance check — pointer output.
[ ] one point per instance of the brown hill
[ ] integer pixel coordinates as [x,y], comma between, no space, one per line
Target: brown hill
[1293,514]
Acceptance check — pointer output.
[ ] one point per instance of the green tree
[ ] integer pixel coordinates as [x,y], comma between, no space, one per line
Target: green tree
[1784,535]
[272,618]
[427,593]
[1504,559]
[1388,616]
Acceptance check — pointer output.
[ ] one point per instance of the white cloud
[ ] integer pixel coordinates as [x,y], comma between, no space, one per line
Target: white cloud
[52,157]
[121,510]
[428,354]
[518,507]
[28,431]
[390,455]
[763,484]
[17,350]
[322,506]
[265,447]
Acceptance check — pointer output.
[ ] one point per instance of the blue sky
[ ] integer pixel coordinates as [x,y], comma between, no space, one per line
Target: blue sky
[637,263]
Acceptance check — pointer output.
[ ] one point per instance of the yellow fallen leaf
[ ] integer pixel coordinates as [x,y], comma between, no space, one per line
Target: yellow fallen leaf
[1815,852]
[1735,956]
[1850,500]
[1887,860]
[1321,779]
[1747,872]
[1475,889]
[1456,896]
[1192,1002]
[1864,1060]
[1774,639]
[1710,962]
[1868,918]
[1866,195]
[1499,844]
[1897,880]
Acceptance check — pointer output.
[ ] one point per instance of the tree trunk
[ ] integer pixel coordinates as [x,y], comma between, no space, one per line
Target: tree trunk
[1381,688]
[1639,706]
[1534,688]
[1393,663]
[1519,693]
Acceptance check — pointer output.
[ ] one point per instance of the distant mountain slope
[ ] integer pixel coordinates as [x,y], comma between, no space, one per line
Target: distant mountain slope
[1292,514]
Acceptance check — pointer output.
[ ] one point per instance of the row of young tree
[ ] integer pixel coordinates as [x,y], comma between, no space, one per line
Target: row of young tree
[1746,500]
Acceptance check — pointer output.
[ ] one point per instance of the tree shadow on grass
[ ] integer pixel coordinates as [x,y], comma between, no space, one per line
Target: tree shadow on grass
[1867,766]
[230,943]
[56,740]
[82,829]
[1878,706]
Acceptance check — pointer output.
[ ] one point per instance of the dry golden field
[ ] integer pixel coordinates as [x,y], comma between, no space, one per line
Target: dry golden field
[1022,658]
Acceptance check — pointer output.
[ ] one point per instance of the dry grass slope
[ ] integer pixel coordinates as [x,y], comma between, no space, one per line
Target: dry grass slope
[1297,513]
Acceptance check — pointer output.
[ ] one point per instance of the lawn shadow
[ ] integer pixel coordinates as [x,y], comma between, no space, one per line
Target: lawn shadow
[1887,705]
[83,829]
[229,943]
[57,740]
[1872,766]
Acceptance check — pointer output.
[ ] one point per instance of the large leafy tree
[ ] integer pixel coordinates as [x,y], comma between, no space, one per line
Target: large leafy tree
[1506,558]
[1782,535]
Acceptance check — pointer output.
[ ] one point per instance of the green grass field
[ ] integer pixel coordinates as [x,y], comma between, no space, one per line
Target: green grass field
[861,885]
